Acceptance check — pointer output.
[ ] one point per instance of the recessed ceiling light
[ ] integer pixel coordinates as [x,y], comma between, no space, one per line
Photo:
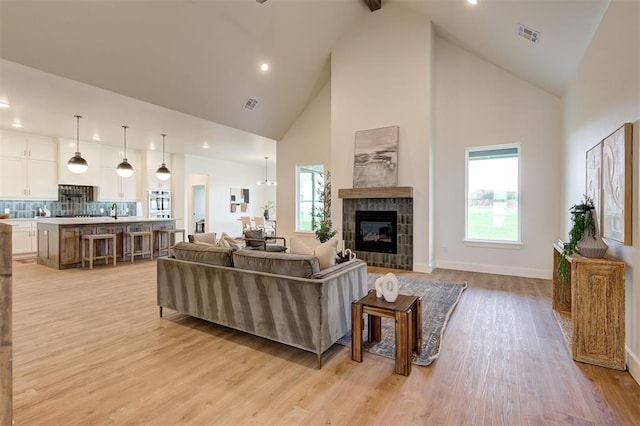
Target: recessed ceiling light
[205,145]
[152,147]
[16,124]
[474,2]
[264,67]
[96,137]
[4,104]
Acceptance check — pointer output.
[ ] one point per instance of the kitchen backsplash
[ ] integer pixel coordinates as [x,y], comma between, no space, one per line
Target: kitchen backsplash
[24,209]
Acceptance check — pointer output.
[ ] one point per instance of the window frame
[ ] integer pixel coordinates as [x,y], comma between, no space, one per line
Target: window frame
[317,168]
[492,242]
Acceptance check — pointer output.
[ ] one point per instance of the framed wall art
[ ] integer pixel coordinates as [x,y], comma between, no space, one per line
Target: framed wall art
[616,185]
[376,158]
[594,182]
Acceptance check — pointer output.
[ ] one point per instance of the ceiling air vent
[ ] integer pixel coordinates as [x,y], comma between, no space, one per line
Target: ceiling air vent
[250,104]
[529,34]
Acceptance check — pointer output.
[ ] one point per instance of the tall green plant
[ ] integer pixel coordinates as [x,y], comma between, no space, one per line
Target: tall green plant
[581,223]
[322,224]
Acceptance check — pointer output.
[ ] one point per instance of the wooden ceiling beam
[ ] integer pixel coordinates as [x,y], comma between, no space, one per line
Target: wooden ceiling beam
[373,4]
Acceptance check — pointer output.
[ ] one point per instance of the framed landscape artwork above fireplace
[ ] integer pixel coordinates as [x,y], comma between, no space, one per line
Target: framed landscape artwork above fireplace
[376,158]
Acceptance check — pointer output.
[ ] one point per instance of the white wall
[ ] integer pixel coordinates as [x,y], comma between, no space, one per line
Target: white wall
[604,94]
[224,175]
[479,104]
[308,141]
[380,76]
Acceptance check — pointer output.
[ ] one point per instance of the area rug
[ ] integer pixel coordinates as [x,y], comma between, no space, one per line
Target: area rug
[439,299]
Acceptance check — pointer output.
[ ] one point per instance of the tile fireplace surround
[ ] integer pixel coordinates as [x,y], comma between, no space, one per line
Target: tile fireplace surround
[399,199]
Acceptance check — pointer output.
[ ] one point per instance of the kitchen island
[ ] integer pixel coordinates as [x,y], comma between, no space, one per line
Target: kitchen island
[60,239]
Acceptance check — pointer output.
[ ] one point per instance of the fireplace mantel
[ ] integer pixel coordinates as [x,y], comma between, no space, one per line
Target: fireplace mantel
[382,192]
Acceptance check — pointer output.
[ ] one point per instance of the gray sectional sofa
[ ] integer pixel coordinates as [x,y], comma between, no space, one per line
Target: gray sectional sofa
[279,296]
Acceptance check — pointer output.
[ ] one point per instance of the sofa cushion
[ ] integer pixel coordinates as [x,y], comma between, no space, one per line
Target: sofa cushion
[211,255]
[293,265]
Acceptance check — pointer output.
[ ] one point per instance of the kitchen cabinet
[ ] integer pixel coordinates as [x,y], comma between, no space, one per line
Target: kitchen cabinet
[112,186]
[90,151]
[25,237]
[60,240]
[28,166]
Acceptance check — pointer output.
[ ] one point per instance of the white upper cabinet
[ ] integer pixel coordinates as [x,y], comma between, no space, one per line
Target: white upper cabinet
[28,166]
[112,186]
[90,151]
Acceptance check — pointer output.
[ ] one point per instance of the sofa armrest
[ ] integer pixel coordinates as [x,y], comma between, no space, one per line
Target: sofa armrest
[334,269]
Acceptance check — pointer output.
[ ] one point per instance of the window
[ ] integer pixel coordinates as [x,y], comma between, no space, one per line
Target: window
[493,187]
[309,181]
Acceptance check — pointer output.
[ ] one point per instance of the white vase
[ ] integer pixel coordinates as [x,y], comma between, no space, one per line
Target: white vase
[592,245]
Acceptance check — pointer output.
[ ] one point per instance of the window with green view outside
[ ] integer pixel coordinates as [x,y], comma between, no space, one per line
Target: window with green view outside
[309,180]
[493,186]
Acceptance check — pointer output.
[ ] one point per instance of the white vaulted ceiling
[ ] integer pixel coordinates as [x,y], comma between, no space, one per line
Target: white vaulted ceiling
[186,67]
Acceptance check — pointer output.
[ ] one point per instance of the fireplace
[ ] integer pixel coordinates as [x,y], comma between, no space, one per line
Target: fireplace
[376,231]
[395,201]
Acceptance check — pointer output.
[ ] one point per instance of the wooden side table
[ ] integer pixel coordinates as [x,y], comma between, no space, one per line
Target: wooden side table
[407,312]
[594,298]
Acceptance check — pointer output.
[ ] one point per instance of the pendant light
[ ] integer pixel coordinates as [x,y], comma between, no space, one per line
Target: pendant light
[266,181]
[163,172]
[125,169]
[77,164]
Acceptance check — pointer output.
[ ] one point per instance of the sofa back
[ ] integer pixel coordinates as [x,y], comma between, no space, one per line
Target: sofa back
[211,255]
[292,265]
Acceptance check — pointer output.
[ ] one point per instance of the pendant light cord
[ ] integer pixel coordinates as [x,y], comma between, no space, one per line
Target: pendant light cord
[163,135]
[78,117]
[125,141]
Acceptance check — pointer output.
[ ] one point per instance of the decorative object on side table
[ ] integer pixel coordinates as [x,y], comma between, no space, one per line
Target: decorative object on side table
[584,224]
[345,256]
[591,244]
[387,286]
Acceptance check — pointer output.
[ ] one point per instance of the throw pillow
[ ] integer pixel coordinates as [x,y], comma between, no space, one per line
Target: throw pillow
[209,237]
[325,252]
[297,246]
[254,234]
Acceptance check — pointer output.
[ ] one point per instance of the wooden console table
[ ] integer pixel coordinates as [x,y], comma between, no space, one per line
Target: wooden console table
[594,299]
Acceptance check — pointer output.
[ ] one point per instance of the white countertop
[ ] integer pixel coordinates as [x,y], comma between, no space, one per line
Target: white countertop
[92,220]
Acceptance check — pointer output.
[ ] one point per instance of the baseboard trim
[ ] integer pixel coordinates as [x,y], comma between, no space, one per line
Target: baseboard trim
[633,364]
[544,274]
[422,267]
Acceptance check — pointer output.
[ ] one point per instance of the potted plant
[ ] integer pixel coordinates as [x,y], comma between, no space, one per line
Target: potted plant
[322,223]
[268,206]
[584,228]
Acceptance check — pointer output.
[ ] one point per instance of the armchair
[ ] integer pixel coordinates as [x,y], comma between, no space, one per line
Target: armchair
[256,240]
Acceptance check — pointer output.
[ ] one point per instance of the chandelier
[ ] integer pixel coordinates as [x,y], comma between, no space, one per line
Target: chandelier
[266,181]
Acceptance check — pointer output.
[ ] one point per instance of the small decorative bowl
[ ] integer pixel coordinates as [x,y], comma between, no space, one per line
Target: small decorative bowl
[5,215]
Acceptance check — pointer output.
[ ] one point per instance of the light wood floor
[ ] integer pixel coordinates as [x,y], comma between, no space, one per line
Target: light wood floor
[90,348]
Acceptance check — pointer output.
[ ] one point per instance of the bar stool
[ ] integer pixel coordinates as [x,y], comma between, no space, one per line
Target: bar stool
[145,237]
[170,236]
[91,239]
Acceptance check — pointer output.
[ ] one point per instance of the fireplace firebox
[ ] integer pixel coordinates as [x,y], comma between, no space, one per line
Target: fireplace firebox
[376,231]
